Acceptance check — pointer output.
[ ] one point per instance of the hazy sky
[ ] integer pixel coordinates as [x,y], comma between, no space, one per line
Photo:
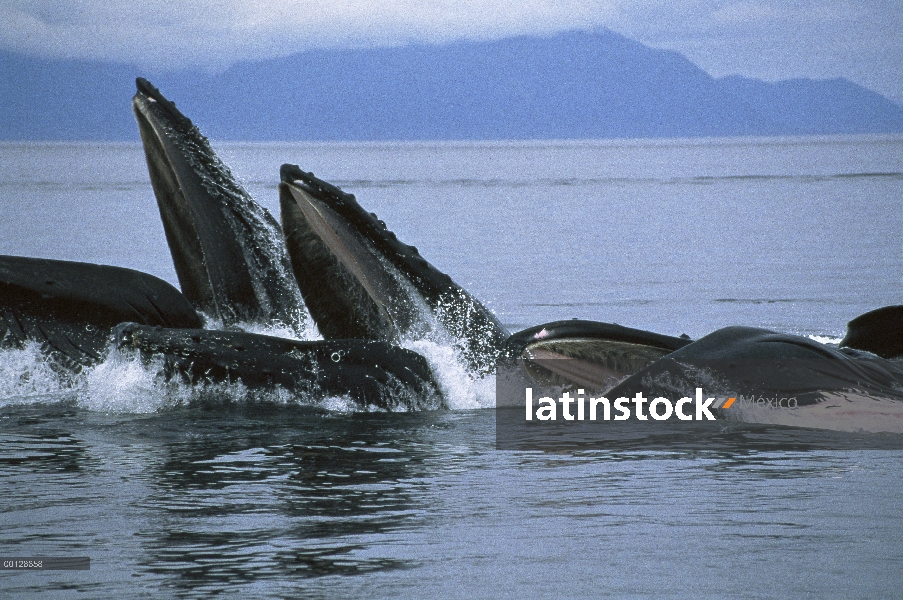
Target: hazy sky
[765,39]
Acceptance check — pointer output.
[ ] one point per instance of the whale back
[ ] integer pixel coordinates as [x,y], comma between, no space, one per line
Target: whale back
[879,331]
[750,362]
[70,308]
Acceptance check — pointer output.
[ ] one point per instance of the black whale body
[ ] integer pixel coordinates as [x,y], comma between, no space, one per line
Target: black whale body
[753,362]
[74,310]
[879,331]
[359,282]
[70,308]
[372,373]
[228,250]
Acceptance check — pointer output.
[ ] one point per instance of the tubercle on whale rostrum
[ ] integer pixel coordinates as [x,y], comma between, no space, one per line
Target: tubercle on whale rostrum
[146,88]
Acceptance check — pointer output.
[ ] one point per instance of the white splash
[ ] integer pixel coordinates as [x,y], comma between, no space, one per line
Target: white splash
[27,377]
[309,332]
[825,339]
[123,384]
[461,390]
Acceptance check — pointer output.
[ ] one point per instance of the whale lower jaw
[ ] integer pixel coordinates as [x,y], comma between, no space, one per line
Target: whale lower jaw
[367,372]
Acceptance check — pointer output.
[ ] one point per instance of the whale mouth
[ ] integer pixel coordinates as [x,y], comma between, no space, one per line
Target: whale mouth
[158,122]
[351,289]
[227,250]
[359,280]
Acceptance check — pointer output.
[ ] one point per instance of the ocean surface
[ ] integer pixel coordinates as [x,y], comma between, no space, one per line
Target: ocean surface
[281,499]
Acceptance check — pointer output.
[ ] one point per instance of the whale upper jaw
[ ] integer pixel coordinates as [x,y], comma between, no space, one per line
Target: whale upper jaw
[358,280]
[228,251]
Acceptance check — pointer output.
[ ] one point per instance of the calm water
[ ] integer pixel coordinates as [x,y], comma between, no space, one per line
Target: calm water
[798,235]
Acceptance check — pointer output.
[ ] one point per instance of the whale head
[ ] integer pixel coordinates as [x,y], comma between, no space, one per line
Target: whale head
[359,281]
[228,251]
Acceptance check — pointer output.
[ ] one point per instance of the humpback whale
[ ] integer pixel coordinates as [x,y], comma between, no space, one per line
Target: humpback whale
[70,308]
[754,361]
[227,250]
[879,331]
[779,379]
[232,266]
[366,291]
[372,373]
[358,280]
[598,355]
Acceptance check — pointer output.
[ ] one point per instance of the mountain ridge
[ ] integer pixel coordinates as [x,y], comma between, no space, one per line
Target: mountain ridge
[573,85]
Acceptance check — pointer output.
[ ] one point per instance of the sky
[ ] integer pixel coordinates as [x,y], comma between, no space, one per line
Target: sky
[763,39]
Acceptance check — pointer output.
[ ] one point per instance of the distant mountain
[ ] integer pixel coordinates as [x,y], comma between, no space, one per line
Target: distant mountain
[572,85]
